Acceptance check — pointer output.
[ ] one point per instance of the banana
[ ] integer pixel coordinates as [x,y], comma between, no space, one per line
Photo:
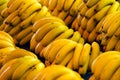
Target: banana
[69,19]
[82,41]
[5,13]
[67,58]
[8,69]
[43,30]
[46,3]
[38,67]
[91,11]
[114,7]
[14,5]
[74,24]
[21,69]
[45,20]
[83,10]
[100,14]
[3,2]
[112,41]
[95,51]
[76,56]
[11,17]
[68,4]
[5,36]
[26,39]
[40,14]
[24,33]
[3,6]
[84,22]
[25,23]
[91,24]
[15,30]
[60,4]
[17,53]
[10,2]
[55,12]
[102,60]
[15,21]
[116,76]
[70,64]
[85,35]
[80,30]
[79,17]
[104,40]
[33,43]
[63,14]
[111,30]
[65,35]
[76,36]
[26,5]
[32,9]
[52,4]
[91,3]
[64,51]
[7,28]
[117,47]
[75,7]
[84,54]
[110,68]
[102,3]
[53,49]
[51,35]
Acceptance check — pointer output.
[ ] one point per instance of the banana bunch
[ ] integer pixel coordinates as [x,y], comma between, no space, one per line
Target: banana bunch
[23,68]
[109,34]
[106,66]
[3,5]
[91,15]
[59,72]
[22,15]
[69,53]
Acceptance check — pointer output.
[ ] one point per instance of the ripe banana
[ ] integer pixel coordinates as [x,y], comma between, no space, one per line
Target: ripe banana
[64,51]
[69,19]
[5,13]
[68,4]
[62,15]
[7,28]
[3,6]
[76,56]
[116,75]
[91,3]
[52,4]
[70,64]
[84,22]
[21,69]
[82,41]
[76,36]
[15,21]
[55,12]
[80,30]
[83,10]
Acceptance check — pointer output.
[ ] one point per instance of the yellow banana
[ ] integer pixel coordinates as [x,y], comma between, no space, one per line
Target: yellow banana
[111,44]
[95,51]
[76,36]
[82,41]
[101,61]
[64,51]
[11,16]
[55,12]
[116,75]
[40,14]
[68,4]
[110,68]
[75,7]
[60,4]
[65,61]
[70,64]
[103,3]
[76,55]
[91,3]
[3,6]
[45,20]
[17,53]
[52,4]
[62,15]
[83,10]
[21,69]
[54,48]
[3,1]
[46,3]
[65,35]
[25,23]
[5,13]
[24,33]
[84,22]
[117,47]
[26,39]
[32,9]
[15,21]
[102,13]
[7,28]
[85,54]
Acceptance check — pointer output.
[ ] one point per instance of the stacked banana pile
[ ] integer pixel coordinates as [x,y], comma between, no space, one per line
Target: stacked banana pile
[71,54]
[106,66]
[67,10]
[110,32]
[20,15]
[3,5]
[48,29]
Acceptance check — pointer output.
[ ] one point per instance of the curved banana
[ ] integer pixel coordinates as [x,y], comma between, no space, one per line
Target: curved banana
[52,4]
[91,3]
[76,55]
[55,12]
[68,4]
[76,36]
[83,10]
[60,4]
[82,41]
[84,22]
